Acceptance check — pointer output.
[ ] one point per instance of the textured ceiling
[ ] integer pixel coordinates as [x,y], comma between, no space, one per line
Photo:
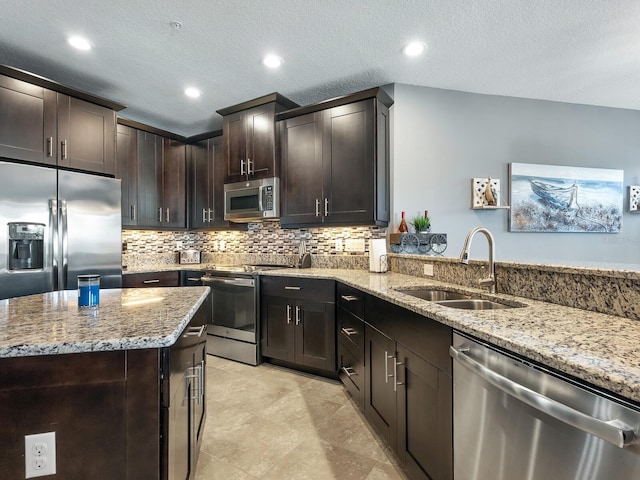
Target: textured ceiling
[579,51]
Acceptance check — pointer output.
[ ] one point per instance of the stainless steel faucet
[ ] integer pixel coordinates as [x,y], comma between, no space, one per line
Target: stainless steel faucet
[489,282]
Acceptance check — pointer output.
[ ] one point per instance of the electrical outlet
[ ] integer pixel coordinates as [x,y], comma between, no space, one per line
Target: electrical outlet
[428,269]
[40,454]
[222,244]
[215,245]
[339,246]
[179,245]
[354,245]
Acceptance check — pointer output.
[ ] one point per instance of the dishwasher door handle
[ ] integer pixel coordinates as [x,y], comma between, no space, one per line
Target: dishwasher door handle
[613,431]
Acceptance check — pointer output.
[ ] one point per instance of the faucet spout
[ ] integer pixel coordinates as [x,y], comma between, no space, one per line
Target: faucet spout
[489,282]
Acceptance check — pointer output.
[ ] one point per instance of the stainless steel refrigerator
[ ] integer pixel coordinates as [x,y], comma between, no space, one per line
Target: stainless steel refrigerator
[56,225]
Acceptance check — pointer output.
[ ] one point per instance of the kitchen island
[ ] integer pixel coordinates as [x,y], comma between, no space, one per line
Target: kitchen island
[109,382]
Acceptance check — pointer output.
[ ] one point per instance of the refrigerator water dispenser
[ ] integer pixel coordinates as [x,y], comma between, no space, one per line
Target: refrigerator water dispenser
[26,246]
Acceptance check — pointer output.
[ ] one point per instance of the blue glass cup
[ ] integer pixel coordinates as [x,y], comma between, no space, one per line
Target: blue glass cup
[88,291]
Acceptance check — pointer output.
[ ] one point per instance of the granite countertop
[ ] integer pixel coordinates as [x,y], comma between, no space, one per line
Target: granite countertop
[601,349]
[50,323]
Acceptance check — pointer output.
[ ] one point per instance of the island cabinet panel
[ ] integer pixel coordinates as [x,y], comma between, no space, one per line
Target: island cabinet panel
[297,322]
[81,397]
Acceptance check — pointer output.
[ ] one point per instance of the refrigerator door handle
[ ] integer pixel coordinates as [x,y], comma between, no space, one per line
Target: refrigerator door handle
[65,243]
[55,240]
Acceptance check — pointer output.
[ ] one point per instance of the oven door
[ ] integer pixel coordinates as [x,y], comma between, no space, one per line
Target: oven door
[234,307]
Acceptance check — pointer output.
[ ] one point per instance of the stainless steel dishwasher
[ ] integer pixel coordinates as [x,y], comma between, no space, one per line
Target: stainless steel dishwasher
[516,421]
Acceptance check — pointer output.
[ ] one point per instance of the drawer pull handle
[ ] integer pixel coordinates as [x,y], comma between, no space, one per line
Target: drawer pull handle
[197,331]
[349,371]
[293,288]
[151,281]
[349,298]
[194,279]
[349,331]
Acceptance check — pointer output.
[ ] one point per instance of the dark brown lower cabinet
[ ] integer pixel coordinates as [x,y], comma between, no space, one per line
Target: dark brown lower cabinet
[297,322]
[408,387]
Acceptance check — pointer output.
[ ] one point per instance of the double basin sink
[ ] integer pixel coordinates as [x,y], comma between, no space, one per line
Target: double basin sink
[452,299]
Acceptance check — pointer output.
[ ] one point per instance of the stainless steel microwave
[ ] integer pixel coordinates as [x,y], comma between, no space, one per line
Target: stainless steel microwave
[252,201]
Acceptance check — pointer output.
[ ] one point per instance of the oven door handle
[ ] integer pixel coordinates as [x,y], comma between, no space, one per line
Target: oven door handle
[240,282]
[612,431]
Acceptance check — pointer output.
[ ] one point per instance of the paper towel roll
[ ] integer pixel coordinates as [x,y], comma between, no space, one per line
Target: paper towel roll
[378,255]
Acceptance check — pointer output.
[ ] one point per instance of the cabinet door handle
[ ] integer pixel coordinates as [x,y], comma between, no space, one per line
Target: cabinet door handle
[348,372]
[395,374]
[210,214]
[349,331]
[349,298]
[194,279]
[204,215]
[195,331]
[156,280]
[293,288]
[288,314]
[160,215]
[249,170]
[133,212]
[50,147]
[241,167]
[297,314]
[317,207]
[326,207]
[63,148]
[167,215]
[386,366]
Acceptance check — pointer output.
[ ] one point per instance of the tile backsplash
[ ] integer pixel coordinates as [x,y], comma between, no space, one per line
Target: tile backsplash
[260,238]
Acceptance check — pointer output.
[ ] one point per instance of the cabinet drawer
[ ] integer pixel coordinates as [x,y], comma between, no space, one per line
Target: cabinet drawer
[351,331]
[152,279]
[351,299]
[299,288]
[351,372]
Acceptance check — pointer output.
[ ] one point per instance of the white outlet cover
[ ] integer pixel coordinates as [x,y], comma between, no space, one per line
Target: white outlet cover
[40,454]
[178,244]
[354,245]
[338,245]
[428,269]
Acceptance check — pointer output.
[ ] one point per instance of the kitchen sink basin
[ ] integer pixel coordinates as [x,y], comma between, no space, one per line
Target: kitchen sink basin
[434,295]
[474,304]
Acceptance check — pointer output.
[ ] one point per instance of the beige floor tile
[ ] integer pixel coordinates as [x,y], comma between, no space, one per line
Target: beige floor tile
[346,429]
[271,423]
[318,460]
[210,468]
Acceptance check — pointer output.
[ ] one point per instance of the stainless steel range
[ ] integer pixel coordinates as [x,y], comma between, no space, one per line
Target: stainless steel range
[233,329]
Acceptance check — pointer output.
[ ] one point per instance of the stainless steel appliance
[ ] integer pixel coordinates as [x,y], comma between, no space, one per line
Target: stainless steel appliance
[56,225]
[515,420]
[252,201]
[233,330]
[186,257]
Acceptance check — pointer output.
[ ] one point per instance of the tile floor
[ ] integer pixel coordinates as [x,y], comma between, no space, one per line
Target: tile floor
[273,423]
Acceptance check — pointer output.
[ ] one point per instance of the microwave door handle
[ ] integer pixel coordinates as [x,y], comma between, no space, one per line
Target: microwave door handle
[260,198]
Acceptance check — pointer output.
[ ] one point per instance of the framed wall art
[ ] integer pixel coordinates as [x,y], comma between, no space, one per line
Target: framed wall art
[552,198]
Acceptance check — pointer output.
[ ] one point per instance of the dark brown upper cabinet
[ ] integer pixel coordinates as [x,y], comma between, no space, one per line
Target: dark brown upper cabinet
[127,171]
[250,147]
[335,162]
[153,170]
[44,122]
[206,185]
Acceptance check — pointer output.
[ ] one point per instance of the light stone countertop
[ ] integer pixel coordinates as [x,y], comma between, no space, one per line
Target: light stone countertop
[601,349]
[51,323]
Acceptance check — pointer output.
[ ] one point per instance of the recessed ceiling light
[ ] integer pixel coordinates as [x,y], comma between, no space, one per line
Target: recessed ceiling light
[80,43]
[192,92]
[272,61]
[414,48]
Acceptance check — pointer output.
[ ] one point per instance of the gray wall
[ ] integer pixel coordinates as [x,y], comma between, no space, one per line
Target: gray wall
[443,138]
